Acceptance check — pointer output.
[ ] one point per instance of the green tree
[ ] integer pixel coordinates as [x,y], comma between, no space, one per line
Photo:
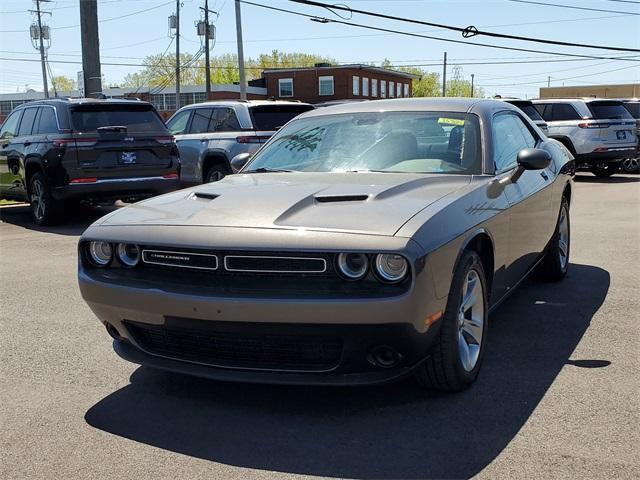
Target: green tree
[60,83]
[457,87]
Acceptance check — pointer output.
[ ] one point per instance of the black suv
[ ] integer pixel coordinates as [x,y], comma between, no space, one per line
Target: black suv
[58,150]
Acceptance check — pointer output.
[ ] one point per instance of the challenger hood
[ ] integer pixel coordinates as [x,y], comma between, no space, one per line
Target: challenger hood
[371,203]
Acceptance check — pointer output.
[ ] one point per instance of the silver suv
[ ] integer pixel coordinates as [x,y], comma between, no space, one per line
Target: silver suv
[530,111]
[210,134]
[599,133]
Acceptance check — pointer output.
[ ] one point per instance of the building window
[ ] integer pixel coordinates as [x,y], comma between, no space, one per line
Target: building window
[365,87]
[392,89]
[356,85]
[199,97]
[383,89]
[325,85]
[374,87]
[158,102]
[285,87]
[170,101]
[406,90]
[399,91]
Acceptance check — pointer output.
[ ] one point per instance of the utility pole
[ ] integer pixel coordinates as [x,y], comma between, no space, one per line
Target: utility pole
[472,75]
[90,48]
[243,80]
[177,54]
[207,67]
[42,57]
[444,76]
[549,81]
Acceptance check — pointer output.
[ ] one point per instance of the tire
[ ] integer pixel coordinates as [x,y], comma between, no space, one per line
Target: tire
[555,264]
[44,208]
[215,173]
[445,369]
[605,170]
[631,165]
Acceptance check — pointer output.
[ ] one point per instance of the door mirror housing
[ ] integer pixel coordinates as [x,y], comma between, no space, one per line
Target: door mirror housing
[239,161]
[530,159]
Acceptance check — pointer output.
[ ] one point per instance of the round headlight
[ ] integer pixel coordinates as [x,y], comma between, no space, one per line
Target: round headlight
[128,254]
[353,266]
[391,267]
[100,253]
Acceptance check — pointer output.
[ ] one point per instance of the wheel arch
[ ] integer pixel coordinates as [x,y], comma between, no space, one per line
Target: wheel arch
[32,165]
[481,242]
[212,157]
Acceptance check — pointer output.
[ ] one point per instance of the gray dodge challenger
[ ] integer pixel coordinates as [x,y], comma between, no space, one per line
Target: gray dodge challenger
[363,243]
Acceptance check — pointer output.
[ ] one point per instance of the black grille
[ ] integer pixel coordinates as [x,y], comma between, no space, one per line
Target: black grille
[239,350]
[274,264]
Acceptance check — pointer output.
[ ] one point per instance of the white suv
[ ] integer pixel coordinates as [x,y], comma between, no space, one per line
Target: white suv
[599,133]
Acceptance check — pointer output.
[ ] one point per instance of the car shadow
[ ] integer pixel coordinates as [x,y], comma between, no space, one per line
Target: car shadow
[391,431]
[76,219]
[616,178]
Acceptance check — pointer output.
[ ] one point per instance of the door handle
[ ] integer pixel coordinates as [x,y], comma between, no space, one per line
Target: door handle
[204,140]
[5,145]
[27,143]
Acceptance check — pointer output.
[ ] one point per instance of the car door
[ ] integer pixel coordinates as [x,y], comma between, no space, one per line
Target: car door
[530,224]
[191,140]
[14,182]
[8,134]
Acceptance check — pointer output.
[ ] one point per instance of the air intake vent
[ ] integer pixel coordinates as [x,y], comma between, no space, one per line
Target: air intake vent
[204,196]
[341,198]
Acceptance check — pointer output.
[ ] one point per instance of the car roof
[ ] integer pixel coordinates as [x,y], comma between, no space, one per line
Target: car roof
[452,104]
[84,101]
[248,103]
[569,100]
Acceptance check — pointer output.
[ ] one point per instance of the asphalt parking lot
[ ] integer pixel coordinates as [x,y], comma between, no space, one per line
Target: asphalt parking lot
[558,397]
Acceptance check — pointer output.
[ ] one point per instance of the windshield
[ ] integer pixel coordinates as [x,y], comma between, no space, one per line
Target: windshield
[272,117]
[410,142]
[609,110]
[136,118]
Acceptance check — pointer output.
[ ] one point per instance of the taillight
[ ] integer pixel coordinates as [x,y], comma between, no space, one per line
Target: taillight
[170,175]
[252,139]
[593,125]
[166,139]
[84,180]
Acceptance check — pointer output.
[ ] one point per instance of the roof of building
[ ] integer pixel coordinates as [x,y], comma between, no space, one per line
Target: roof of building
[357,66]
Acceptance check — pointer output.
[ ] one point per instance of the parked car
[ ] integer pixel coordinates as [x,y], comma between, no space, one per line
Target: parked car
[59,150]
[599,133]
[355,247]
[527,107]
[210,134]
[631,164]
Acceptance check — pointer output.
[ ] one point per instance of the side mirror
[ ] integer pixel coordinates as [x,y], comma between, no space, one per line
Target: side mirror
[239,161]
[531,159]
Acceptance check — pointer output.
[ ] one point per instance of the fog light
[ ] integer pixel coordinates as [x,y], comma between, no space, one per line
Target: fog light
[353,266]
[128,254]
[391,268]
[100,253]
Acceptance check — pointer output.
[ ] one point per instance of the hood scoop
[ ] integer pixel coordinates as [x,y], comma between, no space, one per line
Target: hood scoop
[203,196]
[340,198]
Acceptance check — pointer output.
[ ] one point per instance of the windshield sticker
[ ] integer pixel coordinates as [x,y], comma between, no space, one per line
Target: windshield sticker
[451,121]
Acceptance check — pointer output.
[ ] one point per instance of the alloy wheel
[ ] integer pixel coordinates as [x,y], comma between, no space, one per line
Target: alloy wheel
[630,165]
[563,238]
[471,317]
[38,202]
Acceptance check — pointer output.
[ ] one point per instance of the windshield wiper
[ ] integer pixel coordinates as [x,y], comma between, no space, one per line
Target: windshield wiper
[267,170]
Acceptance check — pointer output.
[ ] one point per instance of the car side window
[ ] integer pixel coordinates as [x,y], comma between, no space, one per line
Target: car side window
[544,109]
[201,121]
[10,126]
[178,124]
[47,123]
[226,120]
[26,124]
[510,135]
[564,112]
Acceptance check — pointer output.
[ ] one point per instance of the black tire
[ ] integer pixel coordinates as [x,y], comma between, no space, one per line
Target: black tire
[215,173]
[605,170]
[44,208]
[554,267]
[443,370]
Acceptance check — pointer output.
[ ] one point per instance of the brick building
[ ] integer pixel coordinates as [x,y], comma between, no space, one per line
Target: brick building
[326,82]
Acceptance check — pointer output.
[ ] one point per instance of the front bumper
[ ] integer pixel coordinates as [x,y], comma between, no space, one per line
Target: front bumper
[116,188]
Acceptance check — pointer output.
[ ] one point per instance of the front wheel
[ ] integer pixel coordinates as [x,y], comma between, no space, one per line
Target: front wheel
[604,171]
[215,173]
[44,208]
[555,264]
[455,360]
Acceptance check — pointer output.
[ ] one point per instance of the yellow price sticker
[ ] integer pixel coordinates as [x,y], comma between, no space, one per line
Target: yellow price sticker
[451,121]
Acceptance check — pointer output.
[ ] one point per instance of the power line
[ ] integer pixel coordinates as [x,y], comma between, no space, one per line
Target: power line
[560,79]
[559,5]
[466,32]
[500,47]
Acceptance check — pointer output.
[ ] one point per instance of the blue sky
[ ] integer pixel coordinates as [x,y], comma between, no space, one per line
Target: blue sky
[131,38]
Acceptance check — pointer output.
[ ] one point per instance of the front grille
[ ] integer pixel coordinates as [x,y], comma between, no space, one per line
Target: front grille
[272,264]
[263,351]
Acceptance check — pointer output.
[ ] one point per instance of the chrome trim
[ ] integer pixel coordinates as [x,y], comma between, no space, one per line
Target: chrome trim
[226,266]
[120,180]
[144,260]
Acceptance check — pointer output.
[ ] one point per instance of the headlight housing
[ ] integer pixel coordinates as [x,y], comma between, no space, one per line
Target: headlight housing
[353,266]
[128,254]
[100,253]
[391,268]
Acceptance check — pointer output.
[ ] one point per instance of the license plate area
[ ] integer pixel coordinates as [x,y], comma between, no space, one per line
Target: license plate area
[127,158]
